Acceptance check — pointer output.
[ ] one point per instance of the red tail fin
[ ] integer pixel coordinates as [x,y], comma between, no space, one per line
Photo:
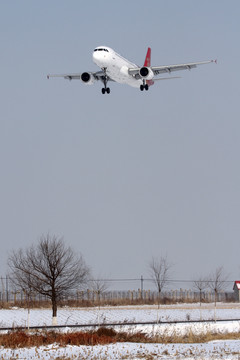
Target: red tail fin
[148,58]
[147,63]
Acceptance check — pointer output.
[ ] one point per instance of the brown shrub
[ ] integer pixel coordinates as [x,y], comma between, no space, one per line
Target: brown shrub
[106,332]
[19,339]
[138,337]
[81,338]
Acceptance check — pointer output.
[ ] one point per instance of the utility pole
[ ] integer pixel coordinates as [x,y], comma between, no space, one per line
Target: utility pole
[141,286]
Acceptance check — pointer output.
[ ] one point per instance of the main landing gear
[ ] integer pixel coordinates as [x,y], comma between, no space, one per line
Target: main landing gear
[106,89]
[105,79]
[144,86]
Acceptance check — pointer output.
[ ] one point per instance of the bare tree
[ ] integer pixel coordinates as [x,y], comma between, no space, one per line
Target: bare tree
[159,272]
[49,269]
[99,287]
[217,283]
[201,284]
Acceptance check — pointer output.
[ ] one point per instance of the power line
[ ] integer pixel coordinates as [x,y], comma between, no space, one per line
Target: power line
[146,279]
[141,279]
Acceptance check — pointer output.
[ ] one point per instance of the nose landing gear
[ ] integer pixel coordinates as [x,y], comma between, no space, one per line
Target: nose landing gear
[105,79]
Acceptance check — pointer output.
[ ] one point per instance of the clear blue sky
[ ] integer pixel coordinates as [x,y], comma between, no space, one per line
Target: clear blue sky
[130,175]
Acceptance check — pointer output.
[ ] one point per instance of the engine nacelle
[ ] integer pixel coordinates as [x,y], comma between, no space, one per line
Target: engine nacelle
[146,73]
[87,78]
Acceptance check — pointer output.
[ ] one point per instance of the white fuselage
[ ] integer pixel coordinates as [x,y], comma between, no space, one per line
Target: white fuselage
[116,66]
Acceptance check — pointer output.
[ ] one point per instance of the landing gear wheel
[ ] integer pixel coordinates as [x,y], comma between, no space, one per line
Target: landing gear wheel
[144,86]
[105,90]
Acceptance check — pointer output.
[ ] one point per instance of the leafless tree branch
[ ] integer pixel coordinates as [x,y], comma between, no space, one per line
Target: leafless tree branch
[159,272]
[49,268]
[217,281]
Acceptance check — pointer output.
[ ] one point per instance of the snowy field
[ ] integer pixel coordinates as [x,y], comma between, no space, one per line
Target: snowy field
[81,316]
[214,350]
[69,316]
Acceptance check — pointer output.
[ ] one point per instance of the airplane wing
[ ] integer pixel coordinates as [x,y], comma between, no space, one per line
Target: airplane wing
[169,68]
[99,75]
[66,76]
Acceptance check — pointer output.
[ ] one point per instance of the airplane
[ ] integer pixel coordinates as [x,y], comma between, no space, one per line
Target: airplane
[116,68]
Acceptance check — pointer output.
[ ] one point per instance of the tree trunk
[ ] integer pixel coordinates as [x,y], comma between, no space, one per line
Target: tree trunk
[215,304]
[159,295]
[54,311]
[54,304]
[200,305]
[54,307]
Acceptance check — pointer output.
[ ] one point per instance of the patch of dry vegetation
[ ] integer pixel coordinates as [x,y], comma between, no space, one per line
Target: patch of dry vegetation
[20,339]
[192,338]
[102,336]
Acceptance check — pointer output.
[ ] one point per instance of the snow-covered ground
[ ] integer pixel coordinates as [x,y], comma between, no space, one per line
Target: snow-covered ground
[212,350]
[76,316]
[68,316]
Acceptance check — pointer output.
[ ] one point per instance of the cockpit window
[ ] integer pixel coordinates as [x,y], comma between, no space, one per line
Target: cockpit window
[101,49]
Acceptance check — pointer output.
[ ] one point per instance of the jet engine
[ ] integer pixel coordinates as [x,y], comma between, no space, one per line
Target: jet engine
[146,73]
[87,78]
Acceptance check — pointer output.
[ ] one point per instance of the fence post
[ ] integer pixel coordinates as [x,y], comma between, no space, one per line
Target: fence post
[139,294]
[3,290]
[7,288]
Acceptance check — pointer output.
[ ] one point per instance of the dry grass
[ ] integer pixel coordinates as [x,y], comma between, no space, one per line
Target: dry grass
[103,336]
[193,338]
[23,339]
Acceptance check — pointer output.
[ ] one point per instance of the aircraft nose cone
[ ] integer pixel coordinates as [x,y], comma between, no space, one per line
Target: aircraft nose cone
[96,57]
[100,58]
